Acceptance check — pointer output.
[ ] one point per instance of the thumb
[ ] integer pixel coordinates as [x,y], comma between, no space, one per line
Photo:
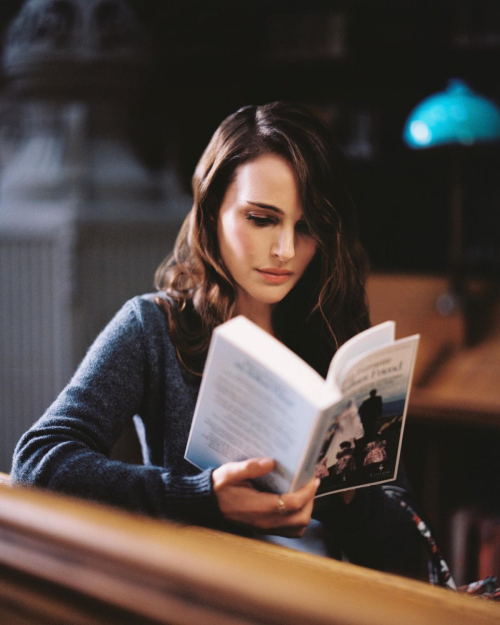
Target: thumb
[235,472]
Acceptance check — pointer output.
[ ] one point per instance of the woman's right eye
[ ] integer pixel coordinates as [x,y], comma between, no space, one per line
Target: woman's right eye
[260,222]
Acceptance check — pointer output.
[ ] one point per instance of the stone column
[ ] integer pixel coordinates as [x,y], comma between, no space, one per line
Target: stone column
[83,223]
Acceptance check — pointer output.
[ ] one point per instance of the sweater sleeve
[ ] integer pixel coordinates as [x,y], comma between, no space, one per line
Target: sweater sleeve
[67,449]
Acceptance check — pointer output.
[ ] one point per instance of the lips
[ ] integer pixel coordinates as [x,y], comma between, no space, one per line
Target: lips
[274,275]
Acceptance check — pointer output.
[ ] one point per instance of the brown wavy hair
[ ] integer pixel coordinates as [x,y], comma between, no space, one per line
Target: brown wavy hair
[328,304]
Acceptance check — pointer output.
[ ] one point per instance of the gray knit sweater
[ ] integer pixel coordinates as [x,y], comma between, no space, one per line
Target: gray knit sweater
[132,369]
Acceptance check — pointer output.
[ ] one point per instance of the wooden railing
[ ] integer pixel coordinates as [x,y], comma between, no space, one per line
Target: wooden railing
[70,561]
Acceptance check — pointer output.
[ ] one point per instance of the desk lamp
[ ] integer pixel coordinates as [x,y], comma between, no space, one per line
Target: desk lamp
[457,118]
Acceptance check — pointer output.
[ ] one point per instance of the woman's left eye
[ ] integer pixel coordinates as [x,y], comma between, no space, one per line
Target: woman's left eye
[261,222]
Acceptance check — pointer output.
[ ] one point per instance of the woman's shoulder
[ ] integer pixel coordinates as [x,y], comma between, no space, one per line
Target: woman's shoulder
[147,305]
[139,321]
[144,313]
[157,317]
[140,329]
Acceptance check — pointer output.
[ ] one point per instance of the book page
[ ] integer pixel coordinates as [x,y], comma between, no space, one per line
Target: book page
[274,355]
[363,444]
[364,342]
[247,411]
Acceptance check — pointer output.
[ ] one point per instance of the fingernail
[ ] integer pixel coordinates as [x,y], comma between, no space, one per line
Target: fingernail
[317,482]
[265,462]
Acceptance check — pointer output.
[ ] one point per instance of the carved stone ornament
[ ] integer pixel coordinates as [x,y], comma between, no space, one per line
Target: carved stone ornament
[69,40]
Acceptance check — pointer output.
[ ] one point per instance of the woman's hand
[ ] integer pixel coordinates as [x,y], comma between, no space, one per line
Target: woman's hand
[240,502]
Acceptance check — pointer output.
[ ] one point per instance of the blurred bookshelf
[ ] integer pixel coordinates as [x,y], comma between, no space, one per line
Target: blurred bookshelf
[362,66]
[452,436]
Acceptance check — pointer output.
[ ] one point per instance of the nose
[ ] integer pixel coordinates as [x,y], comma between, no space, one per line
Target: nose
[284,246]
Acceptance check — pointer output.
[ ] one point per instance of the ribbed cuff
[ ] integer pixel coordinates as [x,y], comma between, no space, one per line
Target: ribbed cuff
[192,499]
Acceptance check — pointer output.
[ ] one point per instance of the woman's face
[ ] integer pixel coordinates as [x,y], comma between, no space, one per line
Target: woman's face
[264,240]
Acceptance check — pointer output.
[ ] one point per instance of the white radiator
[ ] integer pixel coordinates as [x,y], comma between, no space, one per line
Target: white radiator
[59,286]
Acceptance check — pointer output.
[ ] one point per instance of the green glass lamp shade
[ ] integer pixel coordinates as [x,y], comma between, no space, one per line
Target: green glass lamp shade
[455,116]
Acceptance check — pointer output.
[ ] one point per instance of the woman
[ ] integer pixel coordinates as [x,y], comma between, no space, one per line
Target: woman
[271,235]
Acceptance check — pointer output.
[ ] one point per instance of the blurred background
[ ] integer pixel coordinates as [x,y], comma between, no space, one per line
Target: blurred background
[105,108]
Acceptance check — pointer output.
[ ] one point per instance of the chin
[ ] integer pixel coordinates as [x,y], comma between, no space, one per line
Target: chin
[273,295]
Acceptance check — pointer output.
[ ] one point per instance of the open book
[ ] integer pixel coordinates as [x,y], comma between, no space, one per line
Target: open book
[258,398]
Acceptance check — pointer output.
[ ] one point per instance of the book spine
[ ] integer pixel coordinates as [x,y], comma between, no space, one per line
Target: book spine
[313,448]
[489,547]
[462,531]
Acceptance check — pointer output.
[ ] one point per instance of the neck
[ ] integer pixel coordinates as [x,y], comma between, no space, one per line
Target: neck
[257,312]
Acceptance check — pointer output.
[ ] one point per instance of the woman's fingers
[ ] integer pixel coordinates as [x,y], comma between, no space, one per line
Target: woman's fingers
[294,513]
[288,514]
[235,472]
[293,520]
[294,502]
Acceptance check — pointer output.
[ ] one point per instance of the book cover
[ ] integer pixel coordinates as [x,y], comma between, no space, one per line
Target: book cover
[363,443]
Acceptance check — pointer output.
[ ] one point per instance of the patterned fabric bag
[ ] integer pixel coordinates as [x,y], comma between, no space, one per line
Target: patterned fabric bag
[439,572]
